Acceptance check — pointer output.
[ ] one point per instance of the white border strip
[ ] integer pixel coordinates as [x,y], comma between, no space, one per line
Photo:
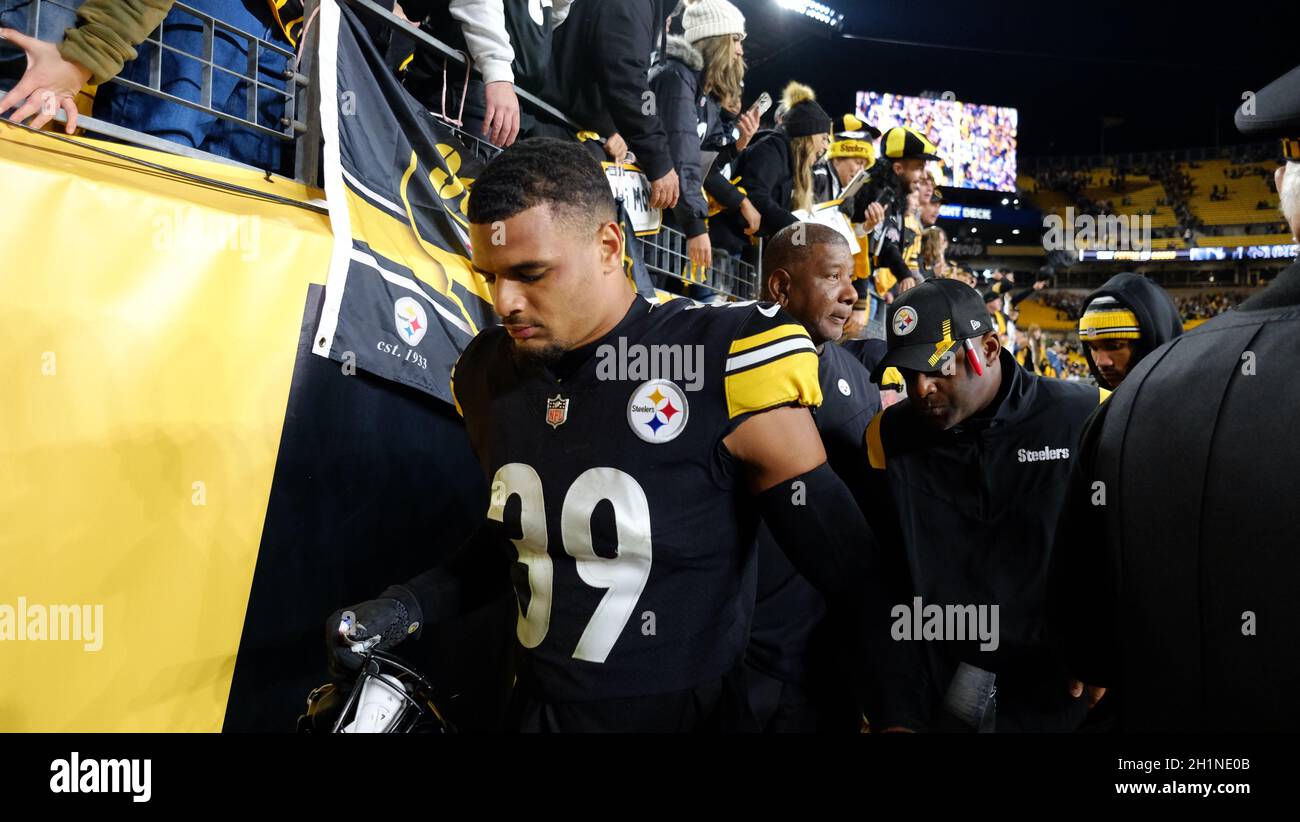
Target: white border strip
[769,352]
[383,201]
[335,195]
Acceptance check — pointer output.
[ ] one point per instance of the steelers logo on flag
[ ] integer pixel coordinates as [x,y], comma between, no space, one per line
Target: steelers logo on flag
[410,319]
[657,411]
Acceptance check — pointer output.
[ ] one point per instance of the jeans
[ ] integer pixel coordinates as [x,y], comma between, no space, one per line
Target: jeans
[182,77]
[56,16]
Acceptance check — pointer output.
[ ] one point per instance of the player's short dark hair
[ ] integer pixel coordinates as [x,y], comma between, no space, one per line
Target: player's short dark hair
[538,171]
[793,244]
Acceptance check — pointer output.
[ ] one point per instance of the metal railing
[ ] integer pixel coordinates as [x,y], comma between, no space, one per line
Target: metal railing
[289,94]
[212,27]
[664,253]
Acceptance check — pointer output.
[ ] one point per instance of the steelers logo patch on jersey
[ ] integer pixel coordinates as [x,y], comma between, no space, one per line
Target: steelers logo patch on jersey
[657,411]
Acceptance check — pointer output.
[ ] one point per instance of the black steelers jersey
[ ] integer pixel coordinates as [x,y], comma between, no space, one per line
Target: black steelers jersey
[632,530]
[788,608]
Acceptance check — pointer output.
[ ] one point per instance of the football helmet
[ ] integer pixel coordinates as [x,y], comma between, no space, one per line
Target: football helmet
[387,696]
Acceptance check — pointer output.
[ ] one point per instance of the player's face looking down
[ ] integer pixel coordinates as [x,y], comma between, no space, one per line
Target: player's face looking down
[817,290]
[556,279]
[1112,359]
[944,400]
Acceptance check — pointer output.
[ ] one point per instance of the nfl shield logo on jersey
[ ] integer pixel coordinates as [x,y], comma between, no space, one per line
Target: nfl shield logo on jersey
[557,411]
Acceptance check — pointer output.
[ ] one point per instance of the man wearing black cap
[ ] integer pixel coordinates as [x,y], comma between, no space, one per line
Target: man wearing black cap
[973,467]
[1174,574]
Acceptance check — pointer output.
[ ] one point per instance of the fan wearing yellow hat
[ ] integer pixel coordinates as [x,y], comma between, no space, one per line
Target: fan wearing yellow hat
[851,151]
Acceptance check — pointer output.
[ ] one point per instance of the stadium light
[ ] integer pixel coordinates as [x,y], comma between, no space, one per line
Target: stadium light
[974,230]
[817,11]
[1015,231]
[1005,201]
[998,241]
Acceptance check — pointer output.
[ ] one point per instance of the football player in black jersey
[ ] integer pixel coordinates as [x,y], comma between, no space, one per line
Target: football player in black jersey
[626,490]
[799,669]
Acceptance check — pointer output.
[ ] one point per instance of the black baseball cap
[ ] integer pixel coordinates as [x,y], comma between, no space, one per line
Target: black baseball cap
[927,320]
[1274,111]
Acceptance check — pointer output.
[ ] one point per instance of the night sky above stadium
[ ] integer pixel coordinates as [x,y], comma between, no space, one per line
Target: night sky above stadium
[1164,76]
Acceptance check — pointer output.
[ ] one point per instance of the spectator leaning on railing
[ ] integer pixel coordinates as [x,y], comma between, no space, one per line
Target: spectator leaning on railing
[699,79]
[103,45]
[500,37]
[93,49]
[600,77]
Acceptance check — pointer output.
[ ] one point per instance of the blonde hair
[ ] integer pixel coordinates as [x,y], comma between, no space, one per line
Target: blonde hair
[724,70]
[803,154]
[931,240]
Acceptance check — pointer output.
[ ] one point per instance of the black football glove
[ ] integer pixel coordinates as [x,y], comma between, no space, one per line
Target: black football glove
[382,623]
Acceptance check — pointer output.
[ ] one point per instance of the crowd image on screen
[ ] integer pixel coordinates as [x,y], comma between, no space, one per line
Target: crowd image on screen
[979,141]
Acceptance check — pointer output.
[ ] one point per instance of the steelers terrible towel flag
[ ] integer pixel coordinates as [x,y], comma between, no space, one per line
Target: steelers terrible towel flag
[401,301]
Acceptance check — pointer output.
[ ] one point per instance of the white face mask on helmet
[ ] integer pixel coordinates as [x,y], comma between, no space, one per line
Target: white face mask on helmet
[387,696]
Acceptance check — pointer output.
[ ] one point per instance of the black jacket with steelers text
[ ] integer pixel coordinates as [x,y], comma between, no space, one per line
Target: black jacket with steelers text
[968,519]
[616,511]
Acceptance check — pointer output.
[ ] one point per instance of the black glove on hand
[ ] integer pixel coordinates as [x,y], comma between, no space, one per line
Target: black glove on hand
[391,618]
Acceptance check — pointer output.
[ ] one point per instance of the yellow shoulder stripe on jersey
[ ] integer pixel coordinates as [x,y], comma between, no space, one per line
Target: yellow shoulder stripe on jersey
[891,379]
[1105,395]
[786,376]
[765,337]
[875,447]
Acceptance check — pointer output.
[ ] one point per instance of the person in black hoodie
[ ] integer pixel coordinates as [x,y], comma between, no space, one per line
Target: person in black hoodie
[776,170]
[1122,322]
[600,63]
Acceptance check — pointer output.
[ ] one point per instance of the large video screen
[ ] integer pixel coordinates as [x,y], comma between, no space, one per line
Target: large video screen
[977,143]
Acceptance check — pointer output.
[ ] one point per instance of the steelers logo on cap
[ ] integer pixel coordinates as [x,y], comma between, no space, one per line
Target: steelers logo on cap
[904,321]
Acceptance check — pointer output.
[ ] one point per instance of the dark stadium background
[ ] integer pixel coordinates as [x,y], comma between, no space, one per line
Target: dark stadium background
[1172,73]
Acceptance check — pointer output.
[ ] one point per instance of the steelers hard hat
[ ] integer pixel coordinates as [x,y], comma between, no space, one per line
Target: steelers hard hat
[903,143]
[855,140]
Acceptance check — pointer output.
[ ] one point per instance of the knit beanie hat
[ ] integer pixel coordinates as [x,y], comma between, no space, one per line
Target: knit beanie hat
[711,18]
[803,116]
[1106,318]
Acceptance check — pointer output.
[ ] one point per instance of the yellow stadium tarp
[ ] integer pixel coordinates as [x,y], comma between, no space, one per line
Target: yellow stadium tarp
[151,325]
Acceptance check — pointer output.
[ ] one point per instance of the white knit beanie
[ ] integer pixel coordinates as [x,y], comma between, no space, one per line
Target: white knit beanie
[711,18]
